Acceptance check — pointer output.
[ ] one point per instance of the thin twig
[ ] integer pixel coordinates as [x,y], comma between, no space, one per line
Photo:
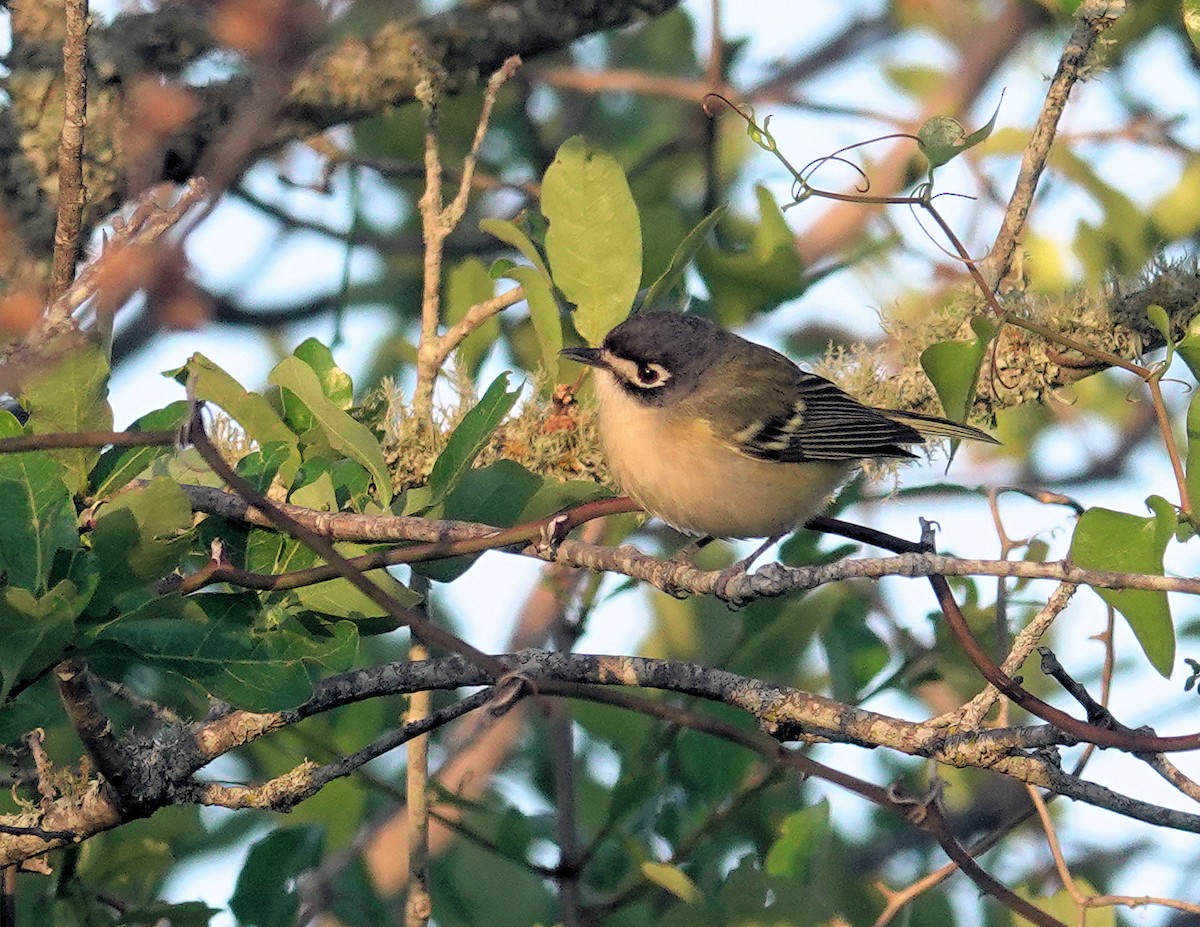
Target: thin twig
[474,317]
[285,792]
[1060,862]
[1093,19]
[40,832]
[1084,731]
[145,226]
[418,904]
[972,713]
[69,439]
[1099,714]
[1166,429]
[562,747]
[438,221]
[1138,901]
[71,192]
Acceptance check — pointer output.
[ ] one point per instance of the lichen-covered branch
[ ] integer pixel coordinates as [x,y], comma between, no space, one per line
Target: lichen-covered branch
[359,76]
[451,538]
[164,762]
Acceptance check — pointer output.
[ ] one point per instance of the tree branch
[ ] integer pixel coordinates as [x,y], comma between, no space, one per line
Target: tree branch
[1093,19]
[71,191]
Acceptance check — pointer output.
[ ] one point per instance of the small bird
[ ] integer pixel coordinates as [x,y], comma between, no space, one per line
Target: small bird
[724,438]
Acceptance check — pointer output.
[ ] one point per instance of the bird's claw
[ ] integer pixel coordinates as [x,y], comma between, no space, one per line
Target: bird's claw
[732,574]
[553,533]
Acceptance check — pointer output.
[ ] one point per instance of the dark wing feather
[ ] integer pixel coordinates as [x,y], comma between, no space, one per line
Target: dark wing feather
[767,407]
[825,423]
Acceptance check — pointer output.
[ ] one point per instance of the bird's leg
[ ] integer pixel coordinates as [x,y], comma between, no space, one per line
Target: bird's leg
[739,569]
[690,549]
[683,557]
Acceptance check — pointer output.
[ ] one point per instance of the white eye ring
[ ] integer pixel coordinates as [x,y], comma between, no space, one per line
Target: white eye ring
[649,374]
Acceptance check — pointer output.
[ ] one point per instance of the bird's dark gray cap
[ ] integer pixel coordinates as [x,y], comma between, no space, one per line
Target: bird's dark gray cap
[672,339]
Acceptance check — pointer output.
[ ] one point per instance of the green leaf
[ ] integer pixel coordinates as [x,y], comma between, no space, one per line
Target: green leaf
[544,313]
[953,368]
[181,914]
[709,767]
[258,670]
[1174,213]
[132,869]
[640,782]
[470,437]
[356,899]
[345,435]
[512,235]
[917,80]
[1188,347]
[594,243]
[316,493]
[250,410]
[943,138]
[70,394]
[1123,238]
[259,468]
[37,632]
[803,840]
[468,284]
[497,494]
[500,267]
[33,707]
[335,382]
[37,518]
[1193,450]
[1108,540]
[352,484]
[337,598]
[672,277]
[673,879]
[555,495]
[119,465]
[267,891]
[268,552]
[140,536]
[1159,319]
[271,552]
[854,652]
[758,269]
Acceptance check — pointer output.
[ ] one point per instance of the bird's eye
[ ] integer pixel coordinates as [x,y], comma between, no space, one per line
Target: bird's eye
[650,374]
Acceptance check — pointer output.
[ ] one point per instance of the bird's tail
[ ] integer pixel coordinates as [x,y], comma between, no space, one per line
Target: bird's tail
[933,426]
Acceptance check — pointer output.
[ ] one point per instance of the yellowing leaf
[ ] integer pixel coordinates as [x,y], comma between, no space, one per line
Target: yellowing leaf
[674,880]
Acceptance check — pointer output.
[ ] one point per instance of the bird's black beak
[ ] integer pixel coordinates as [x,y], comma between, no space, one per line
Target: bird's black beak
[593,357]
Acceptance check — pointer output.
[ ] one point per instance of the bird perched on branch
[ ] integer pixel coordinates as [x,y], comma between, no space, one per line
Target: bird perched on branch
[722,437]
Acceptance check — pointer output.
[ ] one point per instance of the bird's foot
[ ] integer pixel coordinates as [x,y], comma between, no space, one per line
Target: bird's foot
[738,571]
[681,559]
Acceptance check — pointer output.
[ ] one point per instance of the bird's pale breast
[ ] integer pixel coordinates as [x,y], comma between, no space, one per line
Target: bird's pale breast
[674,467]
